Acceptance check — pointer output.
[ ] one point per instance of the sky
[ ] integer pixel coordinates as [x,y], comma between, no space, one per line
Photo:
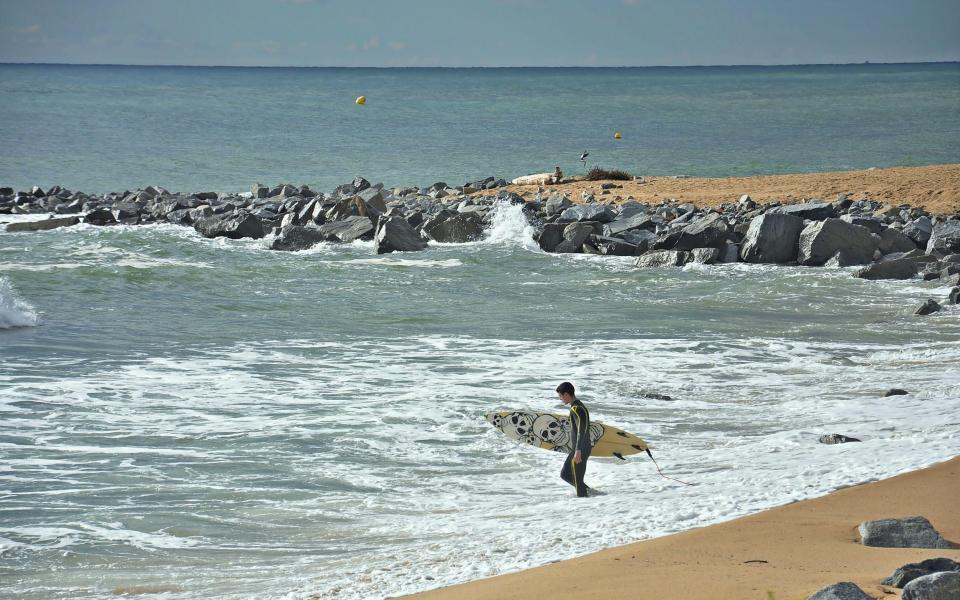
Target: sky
[486,33]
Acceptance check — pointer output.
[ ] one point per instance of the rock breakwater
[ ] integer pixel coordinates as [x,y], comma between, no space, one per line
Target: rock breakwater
[887,242]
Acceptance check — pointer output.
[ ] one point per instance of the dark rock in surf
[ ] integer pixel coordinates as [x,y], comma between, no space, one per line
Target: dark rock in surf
[704,256]
[954,297]
[100,216]
[551,236]
[458,229]
[234,226]
[772,238]
[394,234]
[893,269]
[608,246]
[662,258]
[347,230]
[837,438]
[298,237]
[820,240]
[574,235]
[928,307]
[44,225]
[710,231]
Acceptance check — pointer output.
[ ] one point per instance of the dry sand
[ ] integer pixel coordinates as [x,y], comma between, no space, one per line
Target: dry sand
[790,551]
[935,188]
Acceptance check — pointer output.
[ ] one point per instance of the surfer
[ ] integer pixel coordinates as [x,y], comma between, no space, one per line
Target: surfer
[576,464]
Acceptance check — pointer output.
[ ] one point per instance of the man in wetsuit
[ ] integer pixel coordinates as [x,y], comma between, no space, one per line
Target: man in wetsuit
[576,464]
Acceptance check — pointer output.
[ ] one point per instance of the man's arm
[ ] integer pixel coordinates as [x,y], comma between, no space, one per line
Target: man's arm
[582,425]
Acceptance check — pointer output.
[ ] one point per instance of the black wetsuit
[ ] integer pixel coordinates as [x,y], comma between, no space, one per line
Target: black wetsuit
[572,472]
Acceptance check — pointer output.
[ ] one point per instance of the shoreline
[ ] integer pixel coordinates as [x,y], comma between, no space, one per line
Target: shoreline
[791,550]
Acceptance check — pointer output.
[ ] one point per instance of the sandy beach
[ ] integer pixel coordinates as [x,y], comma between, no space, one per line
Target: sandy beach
[790,551]
[934,188]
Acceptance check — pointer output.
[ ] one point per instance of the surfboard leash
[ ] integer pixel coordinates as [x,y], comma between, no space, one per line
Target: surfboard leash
[661,472]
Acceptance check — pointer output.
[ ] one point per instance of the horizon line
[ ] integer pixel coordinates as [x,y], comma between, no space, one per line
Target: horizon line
[700,66]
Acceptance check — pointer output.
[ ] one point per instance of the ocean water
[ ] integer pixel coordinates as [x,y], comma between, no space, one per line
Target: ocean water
[110,128]
[195,418]
[186,418]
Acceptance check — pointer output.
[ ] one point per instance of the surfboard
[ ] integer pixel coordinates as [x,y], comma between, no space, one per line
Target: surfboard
[553,432]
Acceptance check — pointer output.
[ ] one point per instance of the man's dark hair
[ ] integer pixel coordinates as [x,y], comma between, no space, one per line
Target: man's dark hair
[566,388]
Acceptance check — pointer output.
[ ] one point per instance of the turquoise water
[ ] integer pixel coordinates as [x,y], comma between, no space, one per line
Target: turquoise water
[108,128]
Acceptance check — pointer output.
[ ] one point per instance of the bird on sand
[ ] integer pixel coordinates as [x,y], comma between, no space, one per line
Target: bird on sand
[583,157]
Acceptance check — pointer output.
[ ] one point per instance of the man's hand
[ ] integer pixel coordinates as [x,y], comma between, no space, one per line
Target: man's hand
[577,458]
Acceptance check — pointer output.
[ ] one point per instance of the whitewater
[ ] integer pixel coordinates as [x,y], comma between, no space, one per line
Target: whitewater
[210,418]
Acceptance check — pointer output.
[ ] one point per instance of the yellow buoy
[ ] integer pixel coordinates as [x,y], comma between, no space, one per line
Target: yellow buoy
[617,136]
[361,100]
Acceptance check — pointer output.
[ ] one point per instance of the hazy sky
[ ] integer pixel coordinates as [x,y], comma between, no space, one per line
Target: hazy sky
[478,32]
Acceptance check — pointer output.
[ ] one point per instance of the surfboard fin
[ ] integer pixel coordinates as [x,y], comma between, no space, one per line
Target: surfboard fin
[618,455]
[622,434]
[637,446]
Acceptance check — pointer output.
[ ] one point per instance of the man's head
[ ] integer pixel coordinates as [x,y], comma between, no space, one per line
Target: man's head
[566,393]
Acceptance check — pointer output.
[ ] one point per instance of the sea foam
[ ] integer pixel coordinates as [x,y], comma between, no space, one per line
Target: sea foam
[14,312]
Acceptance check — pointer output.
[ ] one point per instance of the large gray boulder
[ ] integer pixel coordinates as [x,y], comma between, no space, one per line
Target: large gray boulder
[945,237]
[374,200]
[771,238]
[820,240]
[600,213]
[574,235]
[609,246]
[459,229]
[556,204]
[919,230]
[662,258]
[551,236]
[297,237]
[232,225]
[709,231]
[944,585]
[902,268]
[871,224]
[353,206]
[100,216]
[909,532]
[44,225]
[907,573]
[893,240]
[394,234]
[704,256]
[631,223]
[347,230]
[815,210]
[845,590]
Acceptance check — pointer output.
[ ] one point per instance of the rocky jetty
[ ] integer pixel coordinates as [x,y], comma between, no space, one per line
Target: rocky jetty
[887,242]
